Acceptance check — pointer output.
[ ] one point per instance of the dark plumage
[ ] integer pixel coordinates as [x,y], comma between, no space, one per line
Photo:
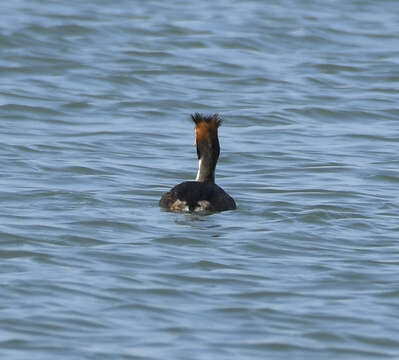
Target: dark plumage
[198,118]
[192,192]
[202,194]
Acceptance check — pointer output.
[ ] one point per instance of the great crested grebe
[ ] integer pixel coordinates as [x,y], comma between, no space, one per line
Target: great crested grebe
[202,194]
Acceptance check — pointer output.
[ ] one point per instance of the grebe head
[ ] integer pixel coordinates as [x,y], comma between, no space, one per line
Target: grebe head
[208,149]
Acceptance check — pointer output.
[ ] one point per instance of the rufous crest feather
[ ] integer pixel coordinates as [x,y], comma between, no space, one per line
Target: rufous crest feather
[206,126]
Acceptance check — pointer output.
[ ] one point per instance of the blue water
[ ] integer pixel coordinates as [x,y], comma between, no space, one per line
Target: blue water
[95,101]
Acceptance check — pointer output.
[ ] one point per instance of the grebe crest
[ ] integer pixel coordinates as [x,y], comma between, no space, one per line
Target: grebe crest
[202,194]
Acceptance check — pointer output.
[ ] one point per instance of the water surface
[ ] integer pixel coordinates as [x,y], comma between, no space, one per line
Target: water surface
[94,126]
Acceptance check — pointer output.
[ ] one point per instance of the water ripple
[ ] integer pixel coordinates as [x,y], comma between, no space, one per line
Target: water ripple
[94,104]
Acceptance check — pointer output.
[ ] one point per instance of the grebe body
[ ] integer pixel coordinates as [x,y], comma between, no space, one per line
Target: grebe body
[202,194]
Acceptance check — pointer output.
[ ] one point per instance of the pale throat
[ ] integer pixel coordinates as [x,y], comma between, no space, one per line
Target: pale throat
[199,170]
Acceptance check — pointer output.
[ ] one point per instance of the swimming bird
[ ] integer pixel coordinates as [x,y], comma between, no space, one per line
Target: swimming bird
[202,194]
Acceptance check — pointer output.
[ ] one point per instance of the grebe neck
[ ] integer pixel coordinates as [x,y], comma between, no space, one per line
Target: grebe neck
[208,154]
[208,149]
[206,171]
